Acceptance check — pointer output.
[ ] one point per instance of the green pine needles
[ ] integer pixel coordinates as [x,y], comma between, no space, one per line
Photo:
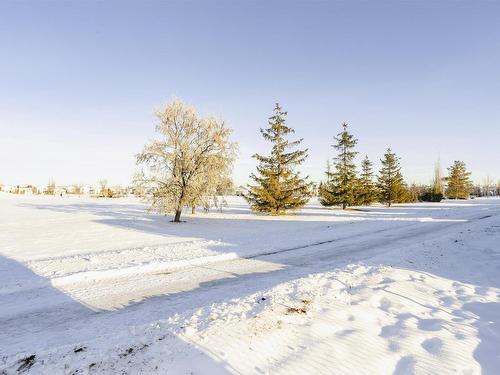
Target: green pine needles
[344,188]
[340,187]
[459,183]
[366,192]
[278,187]
[392,187]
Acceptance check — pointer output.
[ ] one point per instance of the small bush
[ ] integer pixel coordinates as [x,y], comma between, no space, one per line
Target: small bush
[429,196]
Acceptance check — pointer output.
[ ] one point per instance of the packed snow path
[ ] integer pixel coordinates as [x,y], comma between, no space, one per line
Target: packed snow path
[100,274]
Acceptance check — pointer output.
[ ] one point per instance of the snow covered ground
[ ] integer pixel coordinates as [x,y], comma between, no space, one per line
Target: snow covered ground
[101,286]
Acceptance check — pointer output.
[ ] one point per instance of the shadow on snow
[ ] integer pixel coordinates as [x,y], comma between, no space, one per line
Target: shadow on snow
[133,217]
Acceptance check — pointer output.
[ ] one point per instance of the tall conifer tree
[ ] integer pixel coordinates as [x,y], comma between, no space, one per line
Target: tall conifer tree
[339,189]
[366,190]
[459,183]
[278,187]
[390,179]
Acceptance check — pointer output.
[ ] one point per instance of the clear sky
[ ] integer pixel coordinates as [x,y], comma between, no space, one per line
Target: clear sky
[80,80]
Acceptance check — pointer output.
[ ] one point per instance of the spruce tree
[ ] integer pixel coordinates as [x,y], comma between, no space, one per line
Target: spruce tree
[366,192]
[390,179]
[403,193]
[278,187]
[340,187]
[459,183]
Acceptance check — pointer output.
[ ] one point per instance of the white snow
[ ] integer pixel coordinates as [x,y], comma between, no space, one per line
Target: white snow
[101,286]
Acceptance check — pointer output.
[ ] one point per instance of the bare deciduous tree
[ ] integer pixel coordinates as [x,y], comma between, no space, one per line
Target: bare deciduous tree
[488,186]
[51,187]
[103,183]
[187,163]
[437,182]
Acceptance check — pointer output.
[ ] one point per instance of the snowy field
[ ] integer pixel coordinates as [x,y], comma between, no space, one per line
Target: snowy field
[101,286]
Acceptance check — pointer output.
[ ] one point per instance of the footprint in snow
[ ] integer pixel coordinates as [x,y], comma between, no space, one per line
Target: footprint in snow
[433,346]
[447,301]
[405,366]
[391,330]
[385,304]
[394,346]
[430,324]
[387,280]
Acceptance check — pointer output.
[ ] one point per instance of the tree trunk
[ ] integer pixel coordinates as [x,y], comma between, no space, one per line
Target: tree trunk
[177,218]
[193,210]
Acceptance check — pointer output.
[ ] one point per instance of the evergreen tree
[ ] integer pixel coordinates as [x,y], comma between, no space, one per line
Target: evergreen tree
[390,179]
[459,183]
[366,192]
[340,186]
[407,194]
[278,187]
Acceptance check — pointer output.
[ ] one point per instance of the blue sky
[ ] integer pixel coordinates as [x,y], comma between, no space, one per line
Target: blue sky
[80,81]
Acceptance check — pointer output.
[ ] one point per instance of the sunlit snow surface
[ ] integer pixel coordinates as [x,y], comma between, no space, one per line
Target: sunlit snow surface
[101,286]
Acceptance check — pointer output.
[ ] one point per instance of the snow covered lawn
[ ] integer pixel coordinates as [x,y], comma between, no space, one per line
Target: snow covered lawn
[101,286]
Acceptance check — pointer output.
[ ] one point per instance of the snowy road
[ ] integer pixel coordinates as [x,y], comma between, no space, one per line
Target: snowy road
[66,296]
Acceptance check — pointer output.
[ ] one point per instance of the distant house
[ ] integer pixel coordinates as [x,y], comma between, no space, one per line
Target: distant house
[89,190]
[131,190]
[8,189]
[25,189]
[60,191]
[119,191]
[75,189]
[240,190]
[137,191]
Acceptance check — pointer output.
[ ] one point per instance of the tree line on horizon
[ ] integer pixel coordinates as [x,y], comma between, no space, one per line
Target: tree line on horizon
[192,163]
